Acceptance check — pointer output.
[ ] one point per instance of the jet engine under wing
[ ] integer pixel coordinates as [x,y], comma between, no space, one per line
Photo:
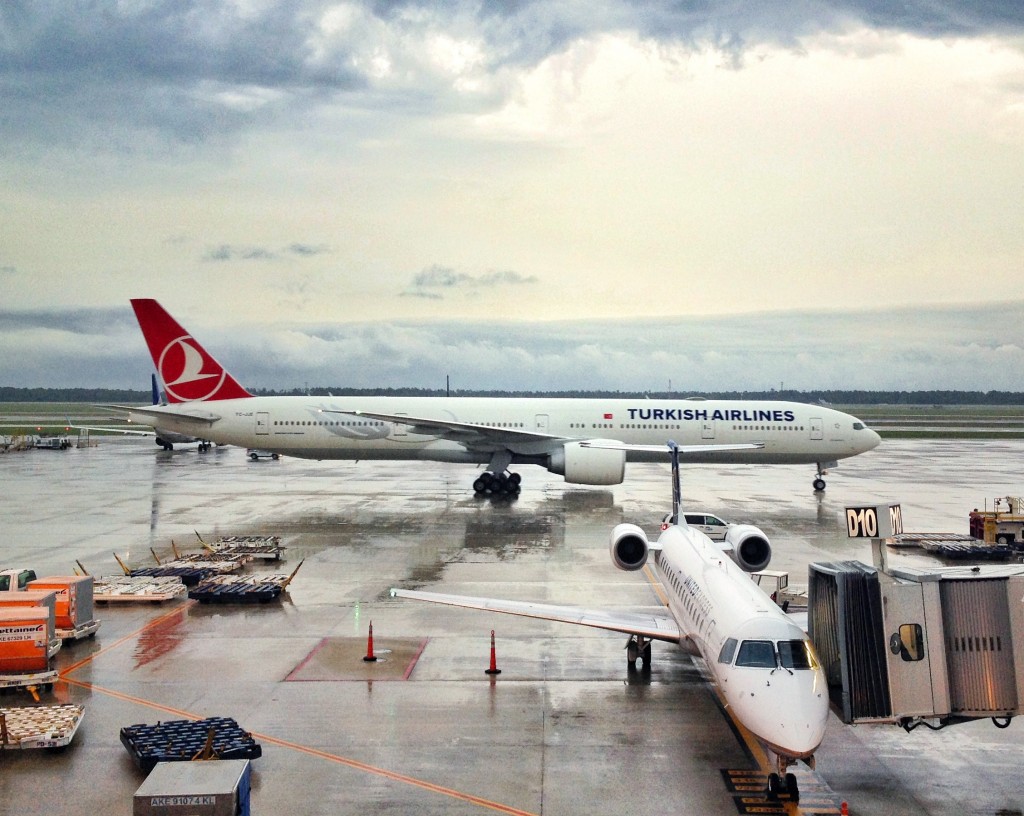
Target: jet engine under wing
[653,625]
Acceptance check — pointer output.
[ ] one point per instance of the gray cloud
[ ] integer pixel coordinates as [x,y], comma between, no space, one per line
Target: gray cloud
[307,250]
[909,349]
[7,270]
[433,281]
[228,252]
[102,73]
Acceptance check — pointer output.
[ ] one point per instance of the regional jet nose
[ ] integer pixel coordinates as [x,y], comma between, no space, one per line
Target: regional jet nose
[786,711]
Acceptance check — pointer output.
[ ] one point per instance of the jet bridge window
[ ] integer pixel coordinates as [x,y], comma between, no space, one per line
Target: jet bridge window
[909,643]
[757,654]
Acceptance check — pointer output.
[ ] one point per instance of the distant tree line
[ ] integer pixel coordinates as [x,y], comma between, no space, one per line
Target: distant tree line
[847,397]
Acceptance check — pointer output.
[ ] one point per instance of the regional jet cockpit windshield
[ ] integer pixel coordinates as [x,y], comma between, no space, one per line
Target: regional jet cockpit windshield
[769,654]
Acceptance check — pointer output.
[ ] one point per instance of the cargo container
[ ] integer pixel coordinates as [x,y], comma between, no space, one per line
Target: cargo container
[35,599]
[74,607]
[214,788]
[25,635]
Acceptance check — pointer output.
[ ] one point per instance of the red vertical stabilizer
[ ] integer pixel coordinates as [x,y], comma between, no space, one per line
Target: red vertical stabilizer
[188,371]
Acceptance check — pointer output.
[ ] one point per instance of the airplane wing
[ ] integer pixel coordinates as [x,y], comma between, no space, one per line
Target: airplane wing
[192,415]
[466,432]
[486,436]
[611,445]
[653,625]
[111,430]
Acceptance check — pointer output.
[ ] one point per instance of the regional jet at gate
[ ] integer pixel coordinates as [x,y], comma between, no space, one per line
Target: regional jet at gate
[763,663]
[584,440]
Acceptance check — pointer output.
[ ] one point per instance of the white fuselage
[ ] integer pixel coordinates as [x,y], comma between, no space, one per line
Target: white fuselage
[716,604]
[791,433]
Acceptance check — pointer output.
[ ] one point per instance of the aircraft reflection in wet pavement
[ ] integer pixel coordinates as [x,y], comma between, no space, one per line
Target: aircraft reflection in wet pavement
[557,434]
[762,661]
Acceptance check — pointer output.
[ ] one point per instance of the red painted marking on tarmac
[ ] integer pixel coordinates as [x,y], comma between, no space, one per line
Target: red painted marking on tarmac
[415,659]
[305,661]
[137,633]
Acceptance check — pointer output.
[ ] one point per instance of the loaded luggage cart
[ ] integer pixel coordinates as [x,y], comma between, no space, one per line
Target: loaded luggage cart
[50,726]
[241,588]
[267,548]
[125,589]
[186,740]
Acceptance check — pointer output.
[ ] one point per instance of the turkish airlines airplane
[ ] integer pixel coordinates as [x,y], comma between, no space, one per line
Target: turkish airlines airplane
[763,663]
[584,440]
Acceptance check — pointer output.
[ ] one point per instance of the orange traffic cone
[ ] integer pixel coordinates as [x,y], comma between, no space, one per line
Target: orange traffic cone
[494,660]
[370,656]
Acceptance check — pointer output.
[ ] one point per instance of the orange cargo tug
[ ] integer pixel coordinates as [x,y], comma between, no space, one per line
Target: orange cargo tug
[74,604]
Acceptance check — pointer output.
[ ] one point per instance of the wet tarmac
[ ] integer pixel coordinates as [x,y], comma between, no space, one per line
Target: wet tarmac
[564,729]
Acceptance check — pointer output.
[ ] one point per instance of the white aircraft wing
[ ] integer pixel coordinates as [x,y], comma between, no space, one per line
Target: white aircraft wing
[610,445]
[468,433]
[109,429]
[654,625]
[193,415]
[486,436]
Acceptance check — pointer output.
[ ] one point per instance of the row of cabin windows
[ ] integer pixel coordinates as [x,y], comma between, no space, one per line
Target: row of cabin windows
[580,425]
[688,599]
[667,426]
[327,424]
[767,654]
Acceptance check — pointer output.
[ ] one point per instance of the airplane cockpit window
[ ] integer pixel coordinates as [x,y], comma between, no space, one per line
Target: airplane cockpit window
[757,654]
[795,654]
[728,651]
[764,654]
[858,426]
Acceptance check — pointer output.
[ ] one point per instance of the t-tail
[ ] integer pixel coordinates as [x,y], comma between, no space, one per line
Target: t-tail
[188,371]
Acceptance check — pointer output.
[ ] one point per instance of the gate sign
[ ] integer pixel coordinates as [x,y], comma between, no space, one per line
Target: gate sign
[883,521]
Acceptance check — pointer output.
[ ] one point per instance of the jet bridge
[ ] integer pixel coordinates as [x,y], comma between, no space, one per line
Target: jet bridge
[912,646]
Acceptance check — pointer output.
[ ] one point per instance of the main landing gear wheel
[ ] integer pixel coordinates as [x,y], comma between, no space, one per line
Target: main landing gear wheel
[500,484]
[819,484]
[635,650]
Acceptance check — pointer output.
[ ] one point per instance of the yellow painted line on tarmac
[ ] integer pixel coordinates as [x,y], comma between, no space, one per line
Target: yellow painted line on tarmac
[340,760]
[753,746]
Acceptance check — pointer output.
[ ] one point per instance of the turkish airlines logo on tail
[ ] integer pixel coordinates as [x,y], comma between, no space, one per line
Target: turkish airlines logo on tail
[188,372]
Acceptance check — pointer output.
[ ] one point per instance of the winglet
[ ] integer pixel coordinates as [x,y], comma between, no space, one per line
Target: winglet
[188,371]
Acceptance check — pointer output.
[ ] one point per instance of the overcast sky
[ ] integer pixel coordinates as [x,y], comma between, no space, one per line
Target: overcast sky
[606,194]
